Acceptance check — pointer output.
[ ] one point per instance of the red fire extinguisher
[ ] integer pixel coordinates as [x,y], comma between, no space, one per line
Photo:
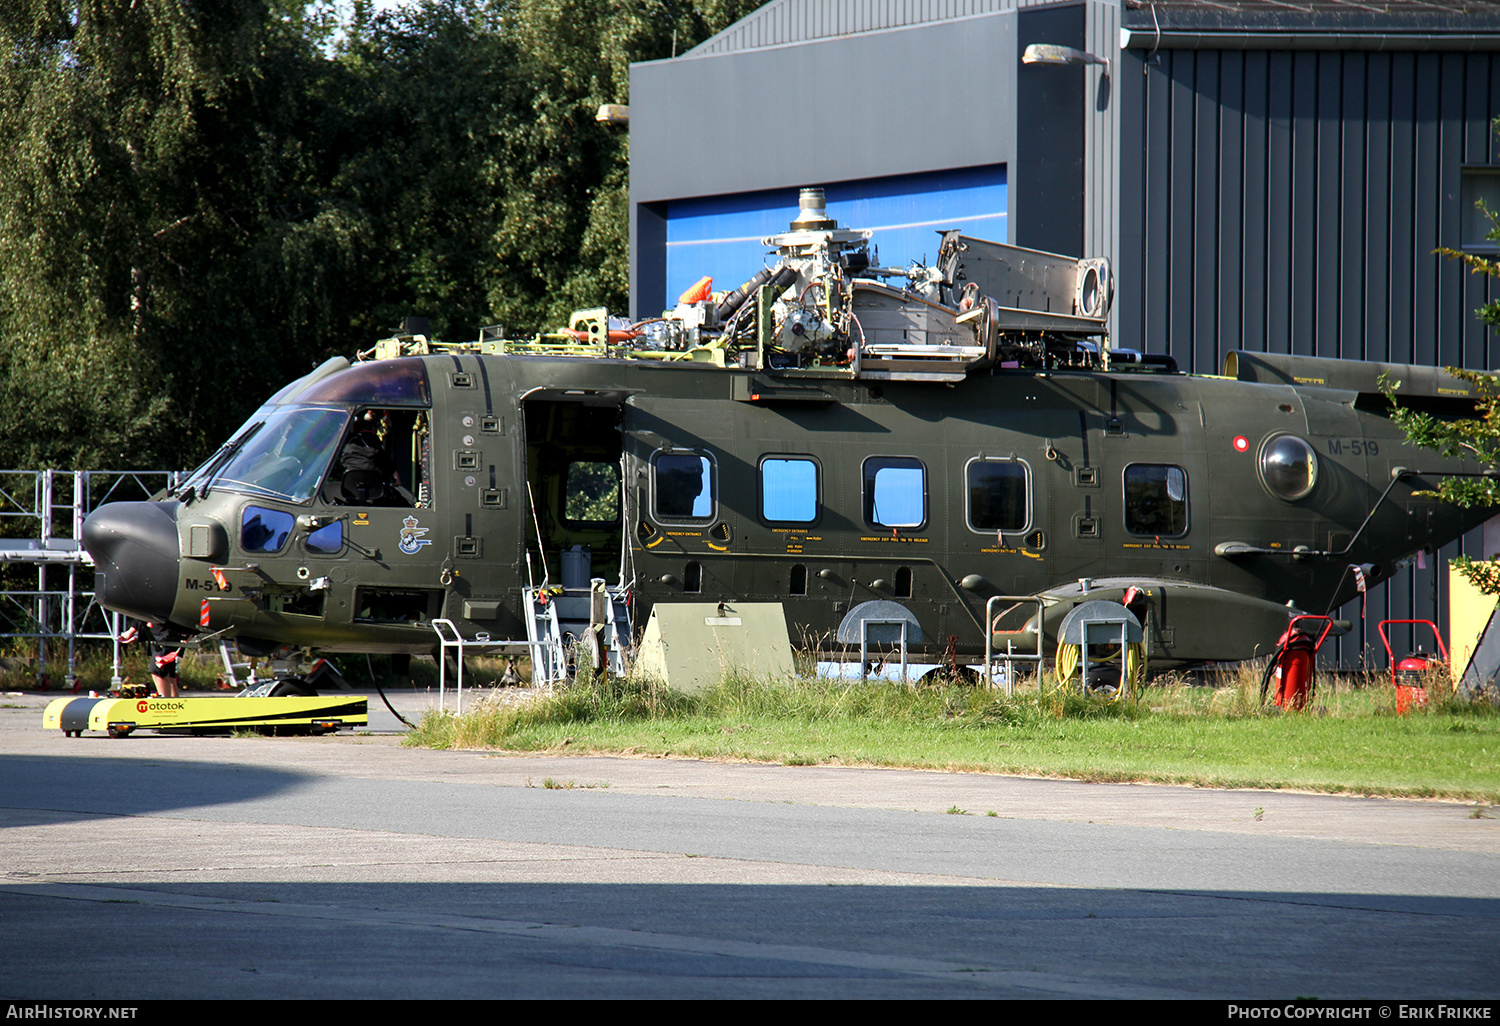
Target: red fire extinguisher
[1294,662]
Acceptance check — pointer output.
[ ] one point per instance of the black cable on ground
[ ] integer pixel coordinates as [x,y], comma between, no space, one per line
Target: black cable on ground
[371,667]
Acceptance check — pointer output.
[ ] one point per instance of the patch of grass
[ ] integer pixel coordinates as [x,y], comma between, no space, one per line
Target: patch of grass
[567,785]
[1217,735]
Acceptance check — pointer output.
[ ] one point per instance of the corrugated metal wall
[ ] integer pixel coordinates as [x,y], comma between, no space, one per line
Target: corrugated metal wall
[800,21]
[1101,163]
[1291,201]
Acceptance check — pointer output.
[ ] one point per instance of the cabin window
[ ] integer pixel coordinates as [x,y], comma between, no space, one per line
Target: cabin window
[682,486]
[895,491]
[1478,185]
[592,493]
[999,495]
[1156,500]
[788,489]
[264,530]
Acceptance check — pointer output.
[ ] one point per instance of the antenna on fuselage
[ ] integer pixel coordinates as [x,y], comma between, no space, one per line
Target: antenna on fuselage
[537,523]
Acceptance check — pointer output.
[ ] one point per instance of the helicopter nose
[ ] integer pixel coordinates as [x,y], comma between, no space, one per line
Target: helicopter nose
[134,546]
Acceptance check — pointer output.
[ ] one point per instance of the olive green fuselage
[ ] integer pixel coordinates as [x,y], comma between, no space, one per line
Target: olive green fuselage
[821,492]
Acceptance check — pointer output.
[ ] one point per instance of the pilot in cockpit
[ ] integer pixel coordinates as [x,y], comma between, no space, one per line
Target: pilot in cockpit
[368,472]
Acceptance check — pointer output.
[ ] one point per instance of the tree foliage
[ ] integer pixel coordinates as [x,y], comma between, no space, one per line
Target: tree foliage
[165,245]
[1475,438]
[201,201]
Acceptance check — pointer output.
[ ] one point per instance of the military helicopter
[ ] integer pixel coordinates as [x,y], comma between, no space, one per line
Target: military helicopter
[959,443]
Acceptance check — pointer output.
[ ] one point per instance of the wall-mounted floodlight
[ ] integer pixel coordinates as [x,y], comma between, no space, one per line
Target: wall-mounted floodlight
[1052,53]
[613,114]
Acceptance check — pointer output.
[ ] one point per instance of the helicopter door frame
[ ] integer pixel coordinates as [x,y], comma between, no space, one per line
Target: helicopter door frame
[556,425]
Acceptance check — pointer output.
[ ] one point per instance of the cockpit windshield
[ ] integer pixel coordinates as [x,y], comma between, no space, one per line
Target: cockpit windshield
[286,457]
[208,466]
[284,449]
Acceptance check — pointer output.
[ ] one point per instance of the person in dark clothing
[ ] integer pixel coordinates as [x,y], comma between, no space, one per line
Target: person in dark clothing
[164,645]
[366,467]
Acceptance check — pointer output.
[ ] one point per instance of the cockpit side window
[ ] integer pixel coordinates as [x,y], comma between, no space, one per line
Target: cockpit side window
[327,540]
[383,460]
[264,530]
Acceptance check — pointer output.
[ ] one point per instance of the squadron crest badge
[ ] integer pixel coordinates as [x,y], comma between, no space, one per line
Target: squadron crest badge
[411,536]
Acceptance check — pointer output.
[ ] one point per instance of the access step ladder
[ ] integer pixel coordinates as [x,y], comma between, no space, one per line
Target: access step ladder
[560,624]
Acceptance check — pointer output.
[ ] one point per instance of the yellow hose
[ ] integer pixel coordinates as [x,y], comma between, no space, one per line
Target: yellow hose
[1134,675]
[1067,661]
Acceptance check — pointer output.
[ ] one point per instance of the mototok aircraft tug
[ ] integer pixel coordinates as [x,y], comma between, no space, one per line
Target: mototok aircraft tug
[118,717]
[951,455]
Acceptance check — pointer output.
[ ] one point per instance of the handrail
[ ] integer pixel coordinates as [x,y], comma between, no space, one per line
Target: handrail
[458,642]
[1011,655]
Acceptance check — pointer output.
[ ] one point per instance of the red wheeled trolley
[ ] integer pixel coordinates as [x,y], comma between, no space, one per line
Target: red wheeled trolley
[1409,675]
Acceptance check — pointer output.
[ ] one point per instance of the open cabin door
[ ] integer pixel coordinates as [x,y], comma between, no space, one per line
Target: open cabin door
[576,556]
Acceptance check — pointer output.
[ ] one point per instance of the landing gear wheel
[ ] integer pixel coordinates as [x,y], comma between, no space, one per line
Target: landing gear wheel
[293,687]
[966,677]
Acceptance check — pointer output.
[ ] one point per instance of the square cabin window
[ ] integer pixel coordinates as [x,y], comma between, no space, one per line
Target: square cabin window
[895,491]
[682,486]
[999,496]
[788,490]
[1156,502]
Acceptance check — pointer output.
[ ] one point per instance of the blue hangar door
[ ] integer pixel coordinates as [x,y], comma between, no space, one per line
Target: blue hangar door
[720,235]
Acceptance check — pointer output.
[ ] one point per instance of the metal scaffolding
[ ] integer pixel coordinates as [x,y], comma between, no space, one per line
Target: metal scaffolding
[41,517]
